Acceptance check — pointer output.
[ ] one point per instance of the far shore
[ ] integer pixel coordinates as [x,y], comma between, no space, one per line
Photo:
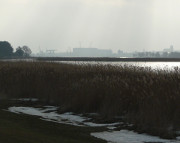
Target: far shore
[95,59]
[107,59]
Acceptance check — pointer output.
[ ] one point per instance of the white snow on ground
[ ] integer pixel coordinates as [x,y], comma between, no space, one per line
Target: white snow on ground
[178,138]
[125,136]
[100,125]
[49,113]
[66,118]
[27,99]
[178,133]
[48,109]
[111,128]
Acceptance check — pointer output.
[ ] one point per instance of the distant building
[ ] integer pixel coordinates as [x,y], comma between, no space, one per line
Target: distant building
[91,52]
[120,53]
[169,50]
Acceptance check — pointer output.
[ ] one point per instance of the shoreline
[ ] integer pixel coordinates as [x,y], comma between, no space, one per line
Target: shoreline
[93,59]
[107,59]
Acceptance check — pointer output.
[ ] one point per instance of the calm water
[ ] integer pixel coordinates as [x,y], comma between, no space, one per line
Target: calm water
[153,65]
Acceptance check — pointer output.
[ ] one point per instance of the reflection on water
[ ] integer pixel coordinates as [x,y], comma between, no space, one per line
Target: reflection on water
[153,65]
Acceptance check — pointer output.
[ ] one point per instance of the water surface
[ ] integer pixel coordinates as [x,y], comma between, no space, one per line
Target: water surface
[153,65]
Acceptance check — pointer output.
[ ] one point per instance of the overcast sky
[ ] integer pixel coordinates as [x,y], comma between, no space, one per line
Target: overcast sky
[129,25]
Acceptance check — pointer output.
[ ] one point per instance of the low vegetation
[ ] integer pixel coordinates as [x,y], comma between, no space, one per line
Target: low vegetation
[149,99]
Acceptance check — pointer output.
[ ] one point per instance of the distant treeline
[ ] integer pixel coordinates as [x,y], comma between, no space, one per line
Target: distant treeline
[7,51]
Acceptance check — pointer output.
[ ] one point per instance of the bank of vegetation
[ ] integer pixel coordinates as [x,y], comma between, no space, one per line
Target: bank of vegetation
[149,99]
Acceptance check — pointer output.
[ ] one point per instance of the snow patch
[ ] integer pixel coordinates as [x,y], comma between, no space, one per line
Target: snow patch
[48,113]
[178,138]
[111,128]
[125,136]
[100,125]
[27,99]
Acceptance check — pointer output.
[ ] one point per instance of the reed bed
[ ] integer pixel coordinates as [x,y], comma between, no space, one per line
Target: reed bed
[150,99]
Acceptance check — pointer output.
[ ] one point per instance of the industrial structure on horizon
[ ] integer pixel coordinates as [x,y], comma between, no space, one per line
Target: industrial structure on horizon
[84,52]
[95,52]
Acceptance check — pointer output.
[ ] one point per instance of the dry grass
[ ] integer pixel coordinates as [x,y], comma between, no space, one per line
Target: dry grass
[149,99]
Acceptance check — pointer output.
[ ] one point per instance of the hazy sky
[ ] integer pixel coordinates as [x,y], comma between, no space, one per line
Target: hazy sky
[129,25]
